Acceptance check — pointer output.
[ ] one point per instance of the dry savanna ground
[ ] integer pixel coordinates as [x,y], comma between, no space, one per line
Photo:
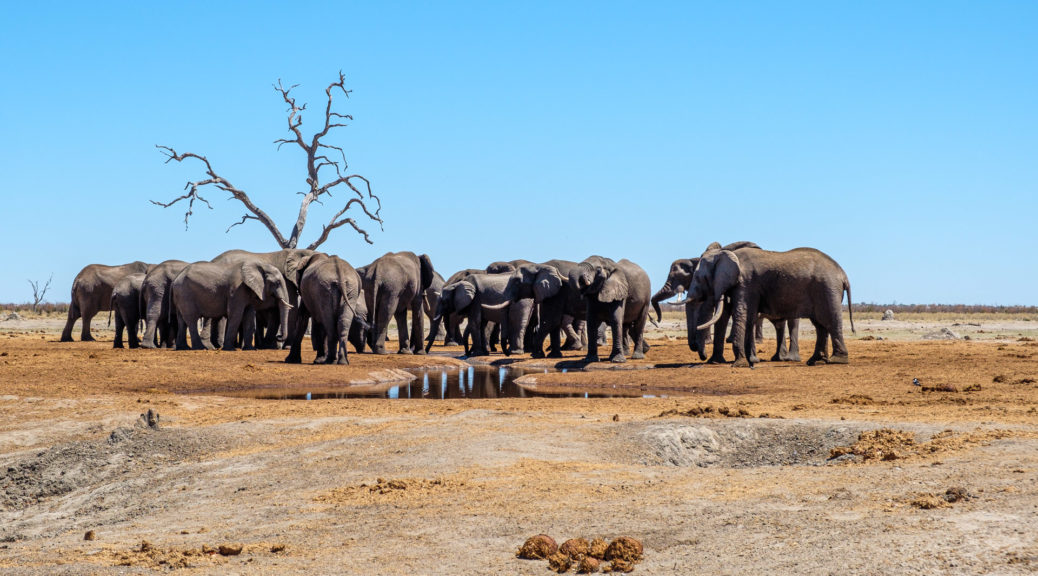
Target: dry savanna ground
[784,469]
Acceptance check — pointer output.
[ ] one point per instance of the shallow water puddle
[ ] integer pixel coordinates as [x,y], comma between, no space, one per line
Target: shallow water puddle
[473,382]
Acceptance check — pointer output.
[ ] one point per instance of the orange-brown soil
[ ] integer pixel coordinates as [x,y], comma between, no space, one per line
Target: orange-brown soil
[785,469]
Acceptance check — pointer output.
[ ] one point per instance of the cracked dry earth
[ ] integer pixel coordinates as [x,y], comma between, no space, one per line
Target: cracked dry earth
[785,469]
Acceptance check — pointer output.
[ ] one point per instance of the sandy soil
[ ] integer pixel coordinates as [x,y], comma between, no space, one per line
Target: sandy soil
[784,469]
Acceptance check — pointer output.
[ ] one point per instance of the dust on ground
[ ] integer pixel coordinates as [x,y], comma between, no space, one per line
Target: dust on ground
[785,469]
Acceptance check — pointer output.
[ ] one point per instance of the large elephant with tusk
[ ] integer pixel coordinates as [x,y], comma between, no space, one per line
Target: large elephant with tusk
[214,290]
[480,298]
[679,278]
[800,283]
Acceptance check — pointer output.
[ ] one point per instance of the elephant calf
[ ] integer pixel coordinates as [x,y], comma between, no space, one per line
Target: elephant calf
[329,291]
[126,298]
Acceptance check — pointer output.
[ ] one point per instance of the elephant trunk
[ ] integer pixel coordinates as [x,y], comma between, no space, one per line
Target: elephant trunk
[283,311]
[713,319]
[433,330]
[666,292]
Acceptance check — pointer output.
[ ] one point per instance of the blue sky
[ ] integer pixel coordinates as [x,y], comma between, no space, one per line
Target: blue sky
[899,137]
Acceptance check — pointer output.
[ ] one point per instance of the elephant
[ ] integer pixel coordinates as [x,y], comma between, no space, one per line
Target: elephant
[393,284]
[523,313]
[289,261]
[214,290]
[617,293]
[678,281]
[559,307]
[155,296]
[481,298]
[92,293]
[432,296]
[453,321]
[126,298]
[329,290]
[800,283]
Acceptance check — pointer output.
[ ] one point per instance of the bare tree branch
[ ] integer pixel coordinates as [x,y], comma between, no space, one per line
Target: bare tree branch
[223,184]
[315,162]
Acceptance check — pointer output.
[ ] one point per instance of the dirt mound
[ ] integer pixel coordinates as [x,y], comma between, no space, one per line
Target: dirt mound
[744,443]
[71,466]
[888,444]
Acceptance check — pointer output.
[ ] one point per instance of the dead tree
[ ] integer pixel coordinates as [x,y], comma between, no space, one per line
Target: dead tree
[38,294]
[317,158]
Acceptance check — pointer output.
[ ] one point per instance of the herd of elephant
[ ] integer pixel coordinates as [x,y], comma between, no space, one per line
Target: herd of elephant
[267,300]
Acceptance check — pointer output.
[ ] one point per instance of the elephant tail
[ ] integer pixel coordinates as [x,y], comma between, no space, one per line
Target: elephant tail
[111,306]
[343,288]
[850,309]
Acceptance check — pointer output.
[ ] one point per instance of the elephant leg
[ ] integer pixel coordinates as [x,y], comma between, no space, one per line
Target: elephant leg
[741,329]
[551,319]
[821,353]
[131,331]
[345,320]
[720,328]
[250,339]
[295,355]
[758,330]
[88,315]
[197,342]
[320,340]
[402,336]
[417,326]
[182,329]
[780,341]
[235,316]
[593,322]
[616,328]
[476,330]
[152,328]
[575,333]
[793,327]
[385,308]
[751,339]
[835,329]
[73,315]
[638,336]
[120,325]
[506,345]
[494,338]
[331,336]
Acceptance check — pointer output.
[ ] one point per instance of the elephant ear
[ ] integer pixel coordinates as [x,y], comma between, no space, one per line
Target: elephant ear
[464,294]
[252,277]
[547,284]
[426,271]
[713,246]
[614,288]
[296,264]
[727,272]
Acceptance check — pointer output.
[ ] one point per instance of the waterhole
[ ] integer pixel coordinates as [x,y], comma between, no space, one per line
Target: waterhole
[472,382]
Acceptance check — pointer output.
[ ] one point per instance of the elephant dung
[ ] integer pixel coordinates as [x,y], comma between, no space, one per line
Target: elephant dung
[538,547]
[624,548]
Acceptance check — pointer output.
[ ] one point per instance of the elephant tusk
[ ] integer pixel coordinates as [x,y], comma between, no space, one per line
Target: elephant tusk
[286,303]
[495,307]
[713,320]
